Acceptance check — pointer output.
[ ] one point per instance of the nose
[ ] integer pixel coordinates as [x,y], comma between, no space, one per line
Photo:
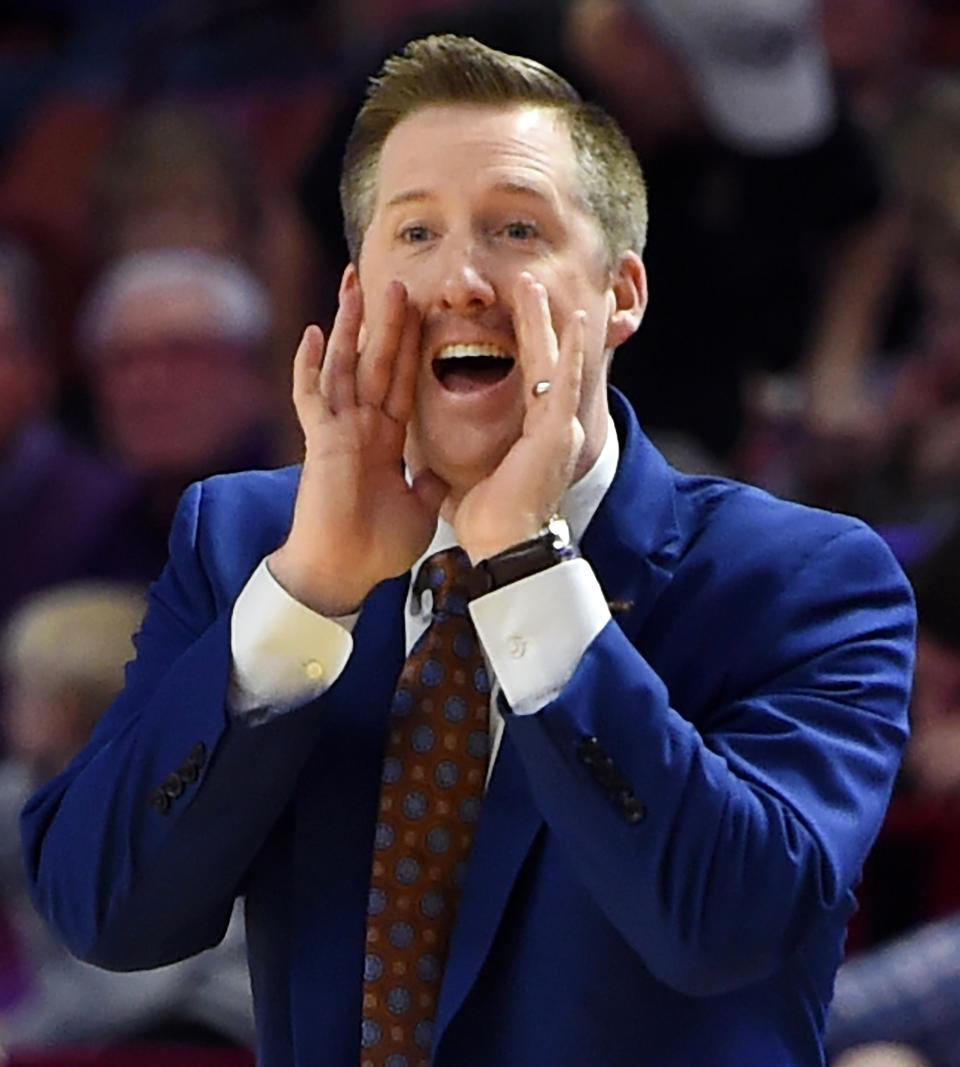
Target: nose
[466,286]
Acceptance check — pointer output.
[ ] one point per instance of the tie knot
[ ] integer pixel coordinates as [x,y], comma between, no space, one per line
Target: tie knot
[446,575]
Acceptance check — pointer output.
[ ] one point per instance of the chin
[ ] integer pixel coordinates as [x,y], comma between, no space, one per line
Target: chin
[462,474]
[461,455]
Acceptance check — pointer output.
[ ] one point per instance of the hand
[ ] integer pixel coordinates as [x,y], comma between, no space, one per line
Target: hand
[356,520]
[515,502]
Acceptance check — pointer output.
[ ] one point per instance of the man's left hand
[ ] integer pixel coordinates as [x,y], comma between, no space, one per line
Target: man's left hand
[515,502]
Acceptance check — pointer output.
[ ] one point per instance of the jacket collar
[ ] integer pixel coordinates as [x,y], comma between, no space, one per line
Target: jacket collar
[633,541]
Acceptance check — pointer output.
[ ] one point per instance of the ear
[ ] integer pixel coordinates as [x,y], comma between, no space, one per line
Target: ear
[349,281]
[628,299]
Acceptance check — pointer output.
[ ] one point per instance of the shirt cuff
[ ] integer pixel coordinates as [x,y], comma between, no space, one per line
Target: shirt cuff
[284,654]
[535,630]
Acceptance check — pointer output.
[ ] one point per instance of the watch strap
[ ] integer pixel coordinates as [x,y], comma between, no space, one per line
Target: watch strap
[522,560]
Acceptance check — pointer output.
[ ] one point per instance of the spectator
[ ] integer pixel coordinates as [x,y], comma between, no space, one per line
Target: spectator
[908,990]
[62,656]
[63,510]
[911,470]
[176,177]
[173,178]
[174,342]
[925,407]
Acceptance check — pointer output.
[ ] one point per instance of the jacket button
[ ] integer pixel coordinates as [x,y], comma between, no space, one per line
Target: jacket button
[590,751]
[173,786]
[606,773]
[189,772]
[160,800]
[633,810]
[198,755]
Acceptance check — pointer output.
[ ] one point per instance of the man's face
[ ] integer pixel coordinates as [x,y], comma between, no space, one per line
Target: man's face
[174,396]
[468,198]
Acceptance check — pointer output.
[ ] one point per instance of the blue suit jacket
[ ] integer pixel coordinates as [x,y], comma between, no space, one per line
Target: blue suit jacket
[753,694]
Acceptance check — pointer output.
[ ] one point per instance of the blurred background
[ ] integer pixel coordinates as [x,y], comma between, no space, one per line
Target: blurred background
[169,221]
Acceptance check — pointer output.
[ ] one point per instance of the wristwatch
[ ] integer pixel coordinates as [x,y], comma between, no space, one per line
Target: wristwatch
[551,546]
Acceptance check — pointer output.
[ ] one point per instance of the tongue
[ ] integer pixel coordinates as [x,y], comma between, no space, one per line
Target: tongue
[468,376]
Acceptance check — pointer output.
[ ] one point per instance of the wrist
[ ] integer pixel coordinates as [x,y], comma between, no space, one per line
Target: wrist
[504,540]
[327,595]
[550,546]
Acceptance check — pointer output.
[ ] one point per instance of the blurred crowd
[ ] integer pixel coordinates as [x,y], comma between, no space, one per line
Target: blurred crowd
[169,221]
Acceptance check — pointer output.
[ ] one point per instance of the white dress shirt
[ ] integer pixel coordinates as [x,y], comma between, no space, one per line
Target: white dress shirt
[532,631]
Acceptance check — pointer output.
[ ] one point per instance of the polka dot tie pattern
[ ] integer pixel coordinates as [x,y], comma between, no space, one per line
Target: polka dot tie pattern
[434,773]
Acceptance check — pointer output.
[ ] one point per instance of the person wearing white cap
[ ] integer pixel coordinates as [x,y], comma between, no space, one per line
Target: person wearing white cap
[760,67]
[174,342]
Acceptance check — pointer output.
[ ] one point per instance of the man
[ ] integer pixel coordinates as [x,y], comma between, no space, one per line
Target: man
[175,343]
[62,655]
[678,800]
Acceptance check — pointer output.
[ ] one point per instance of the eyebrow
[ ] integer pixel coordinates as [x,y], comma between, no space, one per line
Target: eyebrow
[511,186]
[408,196]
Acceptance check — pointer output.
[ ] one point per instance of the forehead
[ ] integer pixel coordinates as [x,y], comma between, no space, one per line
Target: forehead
[466,147]
[151,314]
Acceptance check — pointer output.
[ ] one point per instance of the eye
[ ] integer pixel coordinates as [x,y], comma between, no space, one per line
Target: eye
[520,231]
[415,234]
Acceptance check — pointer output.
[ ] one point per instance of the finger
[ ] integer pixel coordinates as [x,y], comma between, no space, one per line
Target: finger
[306,366]
[380,353]
[406,369]
[338,370]
[538,353]
[565,389]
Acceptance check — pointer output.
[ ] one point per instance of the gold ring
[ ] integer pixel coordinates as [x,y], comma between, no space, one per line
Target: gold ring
[540,388]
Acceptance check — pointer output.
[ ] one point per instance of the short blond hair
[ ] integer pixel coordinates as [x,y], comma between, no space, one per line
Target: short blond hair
[74,638]
[446,69]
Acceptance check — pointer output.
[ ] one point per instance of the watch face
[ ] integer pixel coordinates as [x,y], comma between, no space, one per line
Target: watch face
[560,530]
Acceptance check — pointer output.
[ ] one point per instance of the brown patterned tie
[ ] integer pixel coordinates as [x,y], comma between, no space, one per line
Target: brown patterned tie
[434,774]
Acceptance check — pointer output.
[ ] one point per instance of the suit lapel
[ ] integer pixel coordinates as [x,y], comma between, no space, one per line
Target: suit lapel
[634,538]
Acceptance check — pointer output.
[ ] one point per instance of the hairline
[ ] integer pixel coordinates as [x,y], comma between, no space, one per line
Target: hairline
[564,114]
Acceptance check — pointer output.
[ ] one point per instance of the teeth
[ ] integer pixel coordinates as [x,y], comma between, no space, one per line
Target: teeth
[461,351]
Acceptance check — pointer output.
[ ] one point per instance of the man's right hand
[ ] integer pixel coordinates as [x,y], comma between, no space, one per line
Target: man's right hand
[356,520]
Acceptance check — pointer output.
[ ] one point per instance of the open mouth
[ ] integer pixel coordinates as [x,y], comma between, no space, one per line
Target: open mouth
[471,368]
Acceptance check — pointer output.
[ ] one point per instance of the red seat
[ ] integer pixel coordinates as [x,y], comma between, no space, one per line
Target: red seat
[133,1056]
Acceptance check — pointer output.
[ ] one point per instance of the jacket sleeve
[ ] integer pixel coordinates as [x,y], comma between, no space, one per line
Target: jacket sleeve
[135,853]
[716,846]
